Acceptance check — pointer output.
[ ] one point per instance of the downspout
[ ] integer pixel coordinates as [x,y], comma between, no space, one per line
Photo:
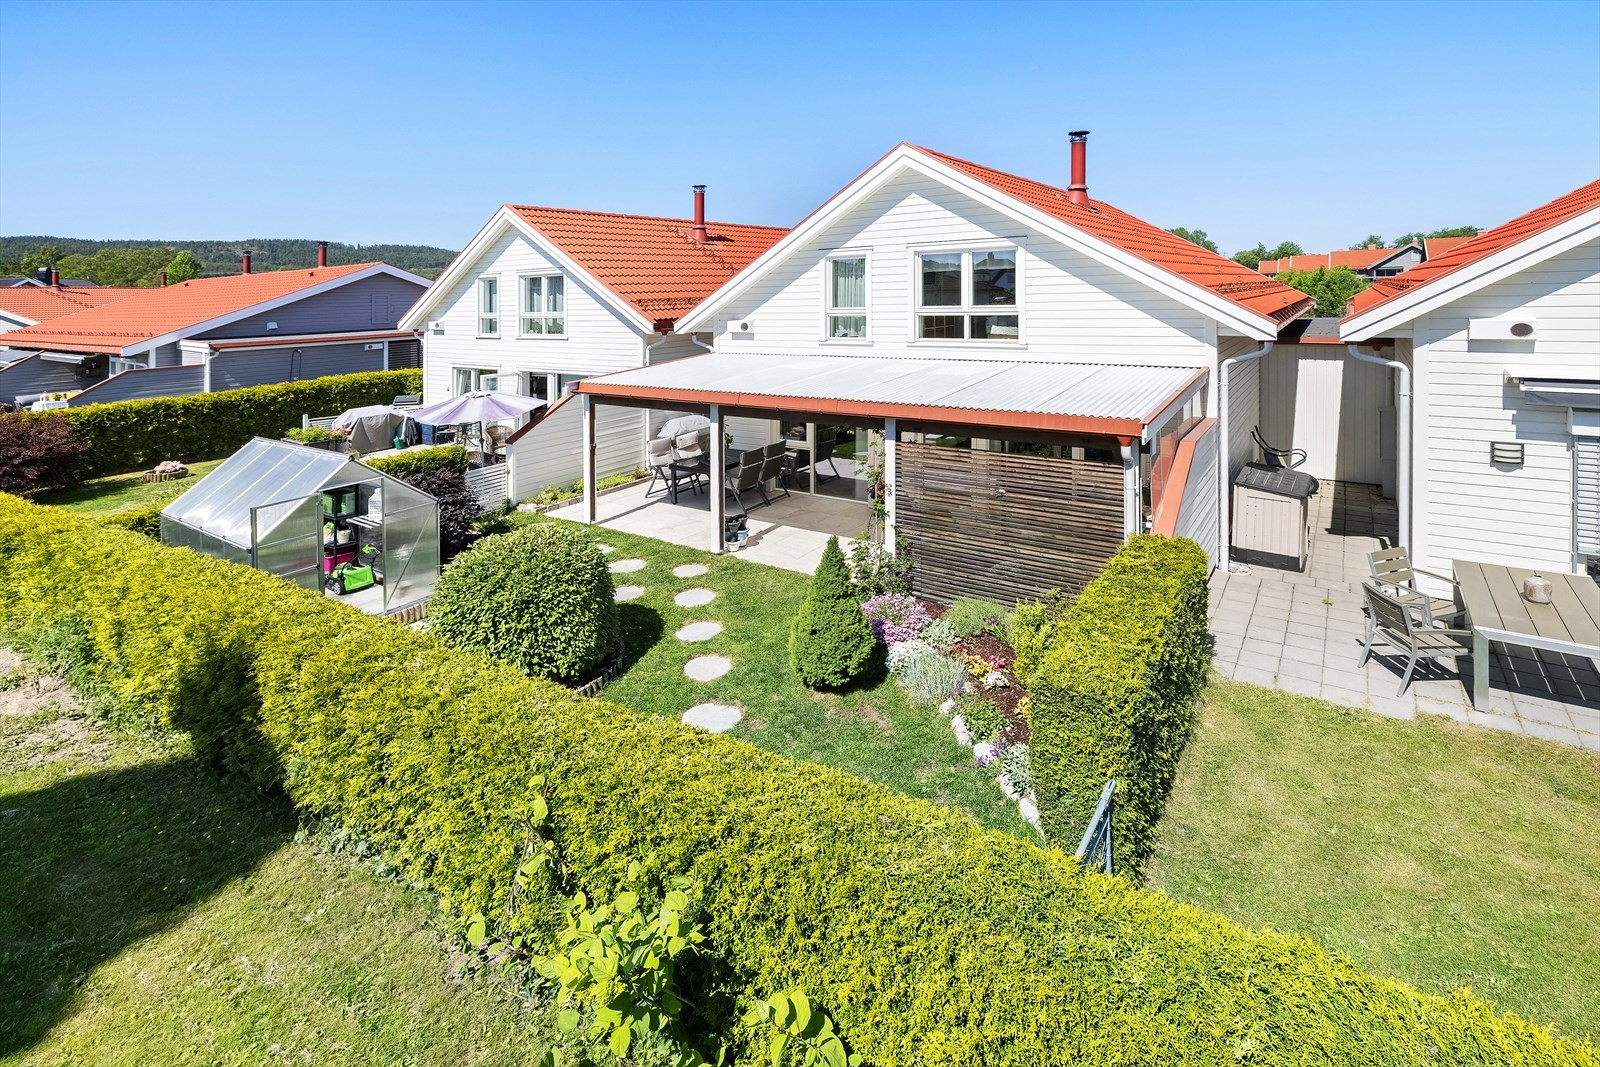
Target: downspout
[1402,434]
[1225,455]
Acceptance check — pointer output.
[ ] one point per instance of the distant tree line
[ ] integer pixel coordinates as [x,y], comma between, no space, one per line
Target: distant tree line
[76,257]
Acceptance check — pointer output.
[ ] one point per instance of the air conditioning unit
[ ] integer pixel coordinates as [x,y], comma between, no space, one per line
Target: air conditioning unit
[1511,329]
[741,326]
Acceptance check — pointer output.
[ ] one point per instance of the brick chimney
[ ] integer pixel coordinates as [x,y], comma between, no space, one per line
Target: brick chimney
[55,278]
[322,253]
[163,279]
[699,232]
[245,257]
[1078,191]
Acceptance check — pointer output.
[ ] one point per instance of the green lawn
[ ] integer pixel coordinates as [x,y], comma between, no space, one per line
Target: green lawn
[115,492]
[154,913]
[1440,854]
[871,732]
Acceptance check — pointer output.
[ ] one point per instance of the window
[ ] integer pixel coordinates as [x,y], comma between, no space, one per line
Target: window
[959,294]
[464,380]
[847,297]
[118,364]
[488,307]
[544,306]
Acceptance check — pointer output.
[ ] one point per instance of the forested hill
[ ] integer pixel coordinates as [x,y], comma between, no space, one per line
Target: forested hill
[222,257]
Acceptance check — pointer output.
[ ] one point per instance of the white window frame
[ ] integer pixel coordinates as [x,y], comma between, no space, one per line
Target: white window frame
[524,313]
[478,374]
[484,314]
[829,312]
[118,364]
[966,309]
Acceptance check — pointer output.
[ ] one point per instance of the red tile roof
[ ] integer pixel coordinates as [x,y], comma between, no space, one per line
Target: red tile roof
[41,303]
[654,264]
[1433,247]
[1486,244]
[149,313]
[1229,280]
[1354,258]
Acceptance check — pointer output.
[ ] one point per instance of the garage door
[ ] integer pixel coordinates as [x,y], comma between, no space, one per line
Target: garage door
[1316,398]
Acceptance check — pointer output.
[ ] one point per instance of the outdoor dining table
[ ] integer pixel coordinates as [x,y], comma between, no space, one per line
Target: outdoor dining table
[1497,611]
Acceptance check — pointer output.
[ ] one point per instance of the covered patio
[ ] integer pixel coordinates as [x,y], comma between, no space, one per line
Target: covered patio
[1003,478]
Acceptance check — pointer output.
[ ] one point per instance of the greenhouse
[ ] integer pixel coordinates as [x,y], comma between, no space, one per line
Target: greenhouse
[320,519]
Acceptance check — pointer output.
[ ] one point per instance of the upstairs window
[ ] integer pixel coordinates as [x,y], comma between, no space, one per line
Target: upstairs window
[544,306]
[488,307]
[968,296]
[847,296]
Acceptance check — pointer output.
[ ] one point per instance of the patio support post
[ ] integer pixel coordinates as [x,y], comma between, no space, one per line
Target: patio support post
[1132,505]
[891,436]
[589,494]
[718,488]
[811,451]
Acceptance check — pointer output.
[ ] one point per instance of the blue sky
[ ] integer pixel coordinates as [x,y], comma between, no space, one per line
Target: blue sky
[410,122]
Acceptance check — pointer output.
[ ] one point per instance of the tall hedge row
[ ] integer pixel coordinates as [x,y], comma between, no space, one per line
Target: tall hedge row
[1114,695]
[425,460]
[931,941]
[132,435]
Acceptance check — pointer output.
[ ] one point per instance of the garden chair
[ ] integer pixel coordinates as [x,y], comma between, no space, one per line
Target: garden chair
[745,478]
[1391,568]
[686,452]
[774,465]
[1391,622]
[497,435]
[657,458]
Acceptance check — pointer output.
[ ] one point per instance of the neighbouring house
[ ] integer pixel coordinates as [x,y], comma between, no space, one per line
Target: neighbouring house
[544,297]
[1019,374]
[211,334]
[29,305]
[47,276]
[1370,262]
[1499,337]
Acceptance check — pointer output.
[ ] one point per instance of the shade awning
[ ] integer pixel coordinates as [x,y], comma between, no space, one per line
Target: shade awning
[1084,398]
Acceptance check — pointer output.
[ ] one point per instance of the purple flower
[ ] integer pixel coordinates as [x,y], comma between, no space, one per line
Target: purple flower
[895,617]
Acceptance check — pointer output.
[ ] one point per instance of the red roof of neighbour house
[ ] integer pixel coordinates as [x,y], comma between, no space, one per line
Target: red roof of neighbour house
[145,314]
[1433,247]
[41,303]
[1224,277]
[654,264]
[1472,249]
[1354,258]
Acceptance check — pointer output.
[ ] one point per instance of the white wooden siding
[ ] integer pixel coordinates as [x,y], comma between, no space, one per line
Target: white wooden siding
[1197,511]
[598,340]
[1465,507]
[1073,308]
[1317,398]
[552,452]
[1244,402]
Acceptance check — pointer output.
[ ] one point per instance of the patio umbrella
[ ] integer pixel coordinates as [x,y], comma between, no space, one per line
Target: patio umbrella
[477,407]
[682,424]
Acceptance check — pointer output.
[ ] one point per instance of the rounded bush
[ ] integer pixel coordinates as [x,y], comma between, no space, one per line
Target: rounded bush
[539,598]
[831,643]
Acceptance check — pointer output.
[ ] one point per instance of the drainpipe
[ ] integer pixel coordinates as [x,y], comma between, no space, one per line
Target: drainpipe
[1402,433]
[1224,461]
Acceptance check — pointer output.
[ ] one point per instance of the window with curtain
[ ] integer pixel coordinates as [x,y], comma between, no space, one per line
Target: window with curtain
[488,306]
[464,380]
[544,306]
[968,296]
[847,296]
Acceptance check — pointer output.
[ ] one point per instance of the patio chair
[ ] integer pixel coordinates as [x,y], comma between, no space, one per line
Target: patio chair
[1277,457]
[1391,622]
[1391,568]
[774,466]
[657,458]
[497,438]
[744,478]
[686,450]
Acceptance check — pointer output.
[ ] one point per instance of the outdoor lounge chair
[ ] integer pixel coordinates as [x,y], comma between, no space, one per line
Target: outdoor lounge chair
[1390,621]
[774,466]
[1397,578]
[658,457]
[745,478]
[686,451]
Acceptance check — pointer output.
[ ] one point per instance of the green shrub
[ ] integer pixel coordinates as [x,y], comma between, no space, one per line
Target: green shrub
[539,598]
[831,641]
[1114,696]
[310,435]
[428,458]
[930,940]
[983,717]
[38,453]
[144,519]
[970,616]
[1033,630]
[132,435]
[458,508]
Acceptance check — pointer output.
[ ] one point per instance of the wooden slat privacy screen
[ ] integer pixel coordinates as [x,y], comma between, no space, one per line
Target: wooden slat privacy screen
[994,524]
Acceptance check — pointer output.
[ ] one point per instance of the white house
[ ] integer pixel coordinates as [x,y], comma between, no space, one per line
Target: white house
[1500,339]
[1028,367]
[544,297]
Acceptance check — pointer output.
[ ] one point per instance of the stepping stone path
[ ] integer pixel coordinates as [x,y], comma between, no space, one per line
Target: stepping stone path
[715,718]
[708,668]
[626,566]
[699,631]
[692,598]
[607,549]
[690,570]
[629,592]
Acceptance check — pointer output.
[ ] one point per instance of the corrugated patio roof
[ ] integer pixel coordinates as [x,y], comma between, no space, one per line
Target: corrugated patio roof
[1094,398]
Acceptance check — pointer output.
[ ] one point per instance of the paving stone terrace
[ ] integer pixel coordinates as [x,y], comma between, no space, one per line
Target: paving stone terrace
[1302,633]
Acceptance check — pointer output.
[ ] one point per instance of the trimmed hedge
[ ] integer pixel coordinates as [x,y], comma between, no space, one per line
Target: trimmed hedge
[424,460]
[133,435]
[929,940]
[1114,695]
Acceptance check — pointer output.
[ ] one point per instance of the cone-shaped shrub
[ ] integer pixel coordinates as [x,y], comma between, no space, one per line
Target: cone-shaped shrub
[831,643]
[540,599]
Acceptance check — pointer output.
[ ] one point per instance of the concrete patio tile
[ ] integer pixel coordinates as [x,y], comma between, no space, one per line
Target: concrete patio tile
[1348,698]
[1442,708]
[1229,625]
[1495,721]
[1263,646]
[1255,661]
[1549,731]
[1290,667]
[1310,643]
[1589,741]
[1255,676]
[1401,707]
[1354,681]
[1305,687]
[1584,720]
[1541,708]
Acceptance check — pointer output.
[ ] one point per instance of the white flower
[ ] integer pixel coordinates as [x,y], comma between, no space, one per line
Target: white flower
[995,680]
